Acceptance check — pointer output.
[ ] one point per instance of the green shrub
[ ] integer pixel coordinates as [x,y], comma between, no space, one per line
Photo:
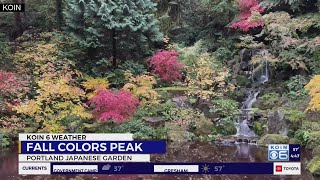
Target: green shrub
[315,63]
[225,107]
[5,56]
[224,126]
[302,136]
[223,54]
[136,126]
[270,100]
[5,140]
[313,140]
[258,128]
[296,87]
[295,117]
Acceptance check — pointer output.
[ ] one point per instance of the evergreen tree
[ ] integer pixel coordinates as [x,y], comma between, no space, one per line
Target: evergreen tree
[59,15]
[108,27]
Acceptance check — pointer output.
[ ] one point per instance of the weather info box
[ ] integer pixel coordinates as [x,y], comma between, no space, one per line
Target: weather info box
[44,154]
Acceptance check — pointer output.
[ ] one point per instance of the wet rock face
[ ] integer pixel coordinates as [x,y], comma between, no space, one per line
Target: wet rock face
[276,123]
[246,55]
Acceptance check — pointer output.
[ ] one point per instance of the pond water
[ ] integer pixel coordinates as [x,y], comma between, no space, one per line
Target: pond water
[187,152]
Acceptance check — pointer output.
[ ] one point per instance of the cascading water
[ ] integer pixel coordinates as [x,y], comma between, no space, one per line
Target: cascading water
[259,75]
[242,125]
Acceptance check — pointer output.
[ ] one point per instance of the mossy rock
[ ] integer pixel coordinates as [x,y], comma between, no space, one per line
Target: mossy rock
[176,133]
[258,128]
[314,140]
[273,139]
[313,126]
[242,81]
[203,127]
[314,166]
[316,151]
[294,141]
[177,136]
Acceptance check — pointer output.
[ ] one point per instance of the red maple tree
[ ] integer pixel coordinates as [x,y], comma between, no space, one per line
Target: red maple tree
[166,65]
[12,86]
[246,8]
[10,83]
[117,106]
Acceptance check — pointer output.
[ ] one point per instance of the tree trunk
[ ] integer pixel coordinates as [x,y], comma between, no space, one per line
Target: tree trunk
[59,15]
[114,48]
[18,22]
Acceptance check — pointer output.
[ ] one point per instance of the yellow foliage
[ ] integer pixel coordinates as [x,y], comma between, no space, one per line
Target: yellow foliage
[142,87]
[205,78]
[58,96]
[313,87]
[281,24]
[260,59]
[93,84]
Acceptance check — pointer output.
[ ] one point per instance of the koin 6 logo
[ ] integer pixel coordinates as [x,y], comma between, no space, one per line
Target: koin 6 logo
[281,155]
[278,152]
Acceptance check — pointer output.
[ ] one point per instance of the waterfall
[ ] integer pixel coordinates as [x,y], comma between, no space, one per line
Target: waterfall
[242,125]
[260,75]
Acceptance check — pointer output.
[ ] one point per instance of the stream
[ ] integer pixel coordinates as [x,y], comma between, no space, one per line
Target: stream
[187,152]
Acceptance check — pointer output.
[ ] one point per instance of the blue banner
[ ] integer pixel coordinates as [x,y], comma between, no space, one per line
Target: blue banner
[294,152]
[93,147]
[162,168]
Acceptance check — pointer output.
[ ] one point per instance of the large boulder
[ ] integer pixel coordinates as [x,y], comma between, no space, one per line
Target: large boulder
[181,101]
[273,139]
[314,140]
[316,151]
[154,121]
[276,123]
[314,166]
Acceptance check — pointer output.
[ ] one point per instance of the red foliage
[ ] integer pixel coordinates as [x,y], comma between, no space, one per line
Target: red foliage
[117,106]
[11,84]
[11,89]
[166,64]
[246,8]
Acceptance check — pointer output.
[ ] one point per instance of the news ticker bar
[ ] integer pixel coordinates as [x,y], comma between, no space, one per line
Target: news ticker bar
[275,168]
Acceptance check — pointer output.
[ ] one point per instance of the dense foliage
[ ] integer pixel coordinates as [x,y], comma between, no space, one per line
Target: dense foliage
[179,70]
[248,9]
[116,106]
[142,87]
[166,65]
[130,26]
[313,87]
